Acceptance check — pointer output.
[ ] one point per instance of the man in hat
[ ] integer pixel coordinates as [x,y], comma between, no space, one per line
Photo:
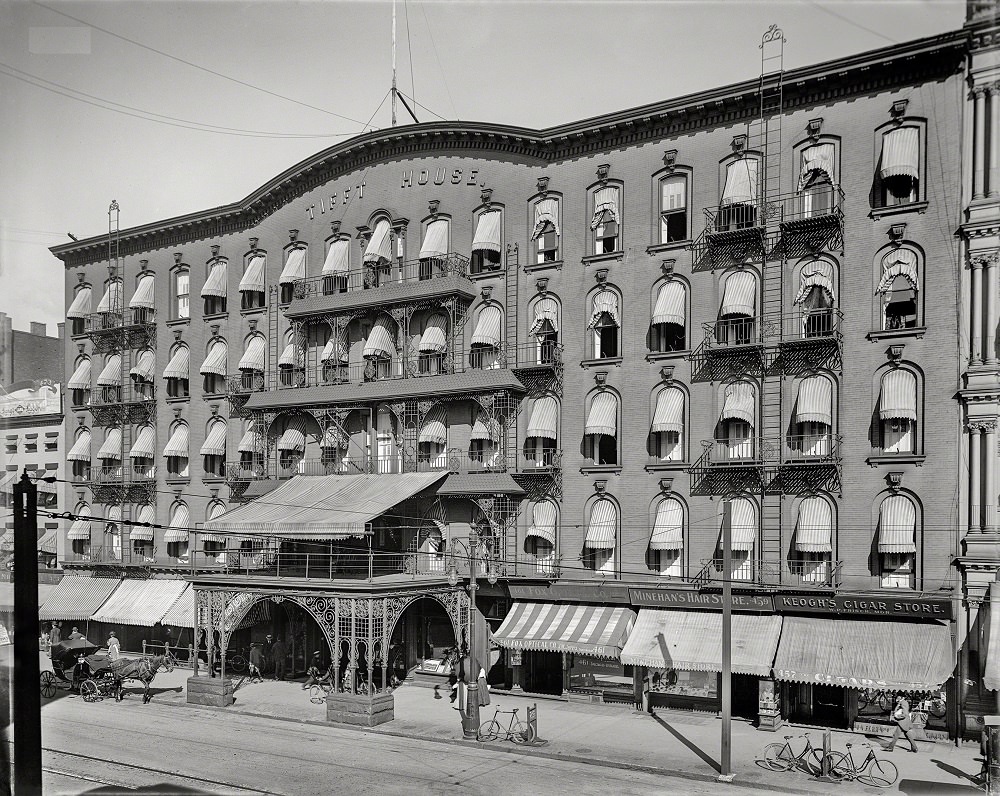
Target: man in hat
[278,652]
[75,634]
[315,670]
[268,653]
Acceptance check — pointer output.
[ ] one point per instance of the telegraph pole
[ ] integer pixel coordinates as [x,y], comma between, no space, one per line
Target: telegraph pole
[472,692]
[725,767]
[27,699]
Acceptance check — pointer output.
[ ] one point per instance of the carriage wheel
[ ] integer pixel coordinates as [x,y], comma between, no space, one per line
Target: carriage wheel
[89,691]
[47,684]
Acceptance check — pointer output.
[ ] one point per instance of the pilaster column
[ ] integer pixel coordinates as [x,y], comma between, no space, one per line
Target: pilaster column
[989,501]
[990,332]
[976,297]
[993,144]
[975,478]
[979,142]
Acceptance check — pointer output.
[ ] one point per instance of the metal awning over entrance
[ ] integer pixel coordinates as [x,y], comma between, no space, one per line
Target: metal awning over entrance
[597,630]
[323,506]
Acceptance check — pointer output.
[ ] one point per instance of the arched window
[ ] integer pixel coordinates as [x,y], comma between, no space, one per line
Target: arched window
[216,287]
[487,242]
[434,248]
[483,443]
[673,192]
[181,290]
[176,535]
[335,357]
[142,305]
[378,256]
[433,344]
[605,202]
[177,373]
[897,542]
[487,338]
[666,542]
[78,312]
[898,408]
[545,232]
[817,179]
[213,450]
[743,525]
[143,374]
[542,432]
[110,454]
[177,451]
[898,288]
[737,323]
[740,195]
[734,436]
[291,444]
[432,440]
[112,542]
[337,266]
[294,270]
[898,174]
[109,309]
[601,429]
[811,433]
[79,455]
[110,379]
[605,321]
[815,298]
[79,382]
[253,285]
[380,349]
[667,428]
[669,319]
[545,329]
[389,455]
[79,533]
[252,449]
[601,540]
[213,545]
[252,364]
[291,362]
[213,368]
[141,536]
[814,536]
[540,539]
[142,454]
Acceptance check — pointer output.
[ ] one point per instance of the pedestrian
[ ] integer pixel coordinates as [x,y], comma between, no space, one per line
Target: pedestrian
[56,635]
[268,654]
[278,654]
[904,724]
[256,662]
[483,688]
[75,634]
[315,670]
[114,646]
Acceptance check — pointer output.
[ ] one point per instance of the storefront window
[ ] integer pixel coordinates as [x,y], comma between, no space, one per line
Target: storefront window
[692,684]
[598,675]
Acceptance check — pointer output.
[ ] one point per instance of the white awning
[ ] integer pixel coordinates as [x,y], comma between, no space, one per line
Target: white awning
[544,418]
[80,529]
[144,446]
[487,235]
[606,202]
[546,212]
[111,375]
[335,350]
[485,429]
[251,441]
[744,525]
[80,308]
[253,276]
[821,158]
[380,245]
[669,414]
[215,442]
[435,239]
[145,368]
[546,310]
[602,419]
[670,303]
[180,521]
[138,533]
[338,258]
[295,266]
[739,403]
[488,326]
[543,522]
[291,357]
[901,153]
[215,361]
[898,262]
[112,447]
[603,526]
[434,338]
[80,452]
[741,182]
[740,296]
[293,438]
[217,282]
[80,380]
[381,340]
[255,355]
[818,273]
[143,298]
[668,530]
[898,398]
[814,403]
[814,531]
[605,302]
[177,445]
[111,301]
[434,429]
[179,366]
[897,522]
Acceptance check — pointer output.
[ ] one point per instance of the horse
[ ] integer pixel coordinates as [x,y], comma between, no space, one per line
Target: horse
[143,670]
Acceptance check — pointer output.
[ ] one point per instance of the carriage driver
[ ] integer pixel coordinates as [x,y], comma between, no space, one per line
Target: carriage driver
[81,671]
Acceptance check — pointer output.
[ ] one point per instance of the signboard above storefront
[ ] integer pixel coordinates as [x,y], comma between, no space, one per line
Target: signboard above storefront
[874,605]
[679,598]
[571,592]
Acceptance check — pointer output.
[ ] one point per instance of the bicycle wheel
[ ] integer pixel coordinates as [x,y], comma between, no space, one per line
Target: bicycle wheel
[775,758]
[317,695]
[812,763]
[490,731]
[238,664]
[838,765]
[880,773]
[522,733]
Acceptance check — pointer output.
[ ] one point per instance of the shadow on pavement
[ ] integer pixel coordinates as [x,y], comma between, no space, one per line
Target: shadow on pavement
[154,790]
[922,787]
[689,744]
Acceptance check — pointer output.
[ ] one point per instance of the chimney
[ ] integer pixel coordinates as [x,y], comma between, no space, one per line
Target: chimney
[60,330]
[38,328]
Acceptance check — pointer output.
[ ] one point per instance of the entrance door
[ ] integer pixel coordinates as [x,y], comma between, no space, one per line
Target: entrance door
[543,672]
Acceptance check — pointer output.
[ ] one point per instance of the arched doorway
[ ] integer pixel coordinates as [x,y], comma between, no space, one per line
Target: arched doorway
[282,619]
[424,631]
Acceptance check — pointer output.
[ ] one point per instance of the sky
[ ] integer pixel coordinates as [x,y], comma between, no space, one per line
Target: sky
[175,106]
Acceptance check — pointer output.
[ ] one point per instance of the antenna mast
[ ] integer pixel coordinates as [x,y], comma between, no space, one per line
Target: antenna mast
[393,63]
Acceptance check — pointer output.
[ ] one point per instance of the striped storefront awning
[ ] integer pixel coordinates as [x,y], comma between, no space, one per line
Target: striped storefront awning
[111,375]
[380,245]
[543,522]
[602,419]
[111,301]
[81,528]
[381,340]
[819,158]
[145,369]
[138,533]
[179,366]
[901,153]
[743,524]
[435,240]
[741,182]
[215,441]
[544,420]
[668,529]
[80,380]
[144,446]
[898,398]
[181,613]
[739,403]
[180,521]
[669,413]
[76,597]
[140,603]
[740,295]
[865,654]
[80,308]
[670,304]
[435,430]
[814,403]
[692,641]
[255,355]
[293,438]
[814,530]
[218,281]
[177,445]
[338,258]
[606,206]
[897,523]
[596,630]
[112,447]
[80,452]
[434,338]
[488,326]
[605,303]
[487,237]
[546,212]
[144,296]
[215,361]
[603,526]
[253,276]
[546,311]
[295,267]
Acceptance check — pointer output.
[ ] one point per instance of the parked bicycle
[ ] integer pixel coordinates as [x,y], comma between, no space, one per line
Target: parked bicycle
[518,731]
[872,771]
[879,701]
[780,757]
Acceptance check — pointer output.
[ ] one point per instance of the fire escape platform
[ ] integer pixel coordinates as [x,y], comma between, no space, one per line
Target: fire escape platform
[393,293]
[480,484]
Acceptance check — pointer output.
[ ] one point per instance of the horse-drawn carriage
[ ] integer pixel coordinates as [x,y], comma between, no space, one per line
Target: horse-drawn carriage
[77,666]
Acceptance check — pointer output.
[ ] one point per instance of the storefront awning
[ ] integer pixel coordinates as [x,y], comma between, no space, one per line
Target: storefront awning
[380,245]
[323,506]
[295,267]
[217,282]
[814,530]
[602,419]
[141,603]
[668,529]
[692,641]
[253,276]
[180,521]
[597,630]
[215,361]
[487,235]
[543,522]
[544,419]
[898,399]
[603,526]
[381,340]
[144,369]
[669,414]
[814,403]
[144,446]
[179,366]
[855,653]
[338,259]
[215,441]
[75,598]
[255,355]
[670,304]
[740,295]
[901,153]
[741,182]
[80,380]
[144,293]
[181,613]
[897,524]
[435,240]
[80,308]
[434,339]
[80,452]
[488,326]
[739,403]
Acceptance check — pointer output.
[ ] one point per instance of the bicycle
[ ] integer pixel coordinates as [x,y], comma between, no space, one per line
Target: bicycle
[779,756]
[880,700]
[516,730]
[872,771]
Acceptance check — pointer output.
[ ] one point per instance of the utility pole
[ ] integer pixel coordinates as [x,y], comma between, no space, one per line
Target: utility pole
[472,692]
[27,699]
[725,763]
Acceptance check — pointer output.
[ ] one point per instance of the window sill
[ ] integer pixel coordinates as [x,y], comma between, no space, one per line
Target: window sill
[178,322]
[896,210]
[79,337]
[593,259]
[592,363]
[177,399]
[657,248]
[663,356]
[557,264]
[253,311]
[896,458]
[656,466]
[215,316]
[499,272]
[213,479]
[179,480]
[214,396]
[892,334]
[601,468]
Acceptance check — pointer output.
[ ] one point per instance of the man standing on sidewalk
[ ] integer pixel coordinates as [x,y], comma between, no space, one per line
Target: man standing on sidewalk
[904,724]
[278,654]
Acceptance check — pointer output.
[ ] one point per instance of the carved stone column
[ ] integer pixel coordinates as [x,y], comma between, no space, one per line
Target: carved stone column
[975,477]
[979,142]
[990,522]
[990,331]
[976,296]
[993,144]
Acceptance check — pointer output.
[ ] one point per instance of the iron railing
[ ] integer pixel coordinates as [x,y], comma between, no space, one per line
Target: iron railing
[809,449]
[790,571]
[802,326]
[812,206]
[124,555]
[373,276]
[127,473]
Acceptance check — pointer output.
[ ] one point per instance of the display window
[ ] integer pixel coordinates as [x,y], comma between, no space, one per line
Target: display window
[599,675]
[682,683]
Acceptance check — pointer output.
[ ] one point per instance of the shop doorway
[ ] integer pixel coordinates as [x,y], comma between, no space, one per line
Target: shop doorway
[817,704]
[543,672]
[299,632]
[423,632]
[745,697]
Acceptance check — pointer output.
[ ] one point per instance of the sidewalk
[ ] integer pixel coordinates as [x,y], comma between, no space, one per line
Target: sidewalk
[673,741]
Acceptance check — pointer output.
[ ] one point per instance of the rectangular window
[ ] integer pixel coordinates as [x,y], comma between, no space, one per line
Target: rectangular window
[182,282]
[606,235]
[605,339]
[214,383]
[813,567]
[177,550]
[178,388]
[215,465]
[547,243]
[898,436]
[669,448]
[668,337]
[673,209]
[738,439]
[602,448]
[177,466]
[670,563]
[898,571]
[215,305]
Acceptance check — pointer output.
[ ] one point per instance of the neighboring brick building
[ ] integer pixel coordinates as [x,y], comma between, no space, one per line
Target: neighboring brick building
[566,347]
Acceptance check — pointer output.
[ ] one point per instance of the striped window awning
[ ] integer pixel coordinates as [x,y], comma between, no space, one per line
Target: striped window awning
[80,452]
[145,369]
[215,361]
[741,182]
[543,522]
[668,529]
[435,239]
[335,350]
[487,237]
[898,398]
[546,311]
[218,281]
[295,266]
[179,522]
[81,528]
[820,158]
[381,340]
[740,295]
[901,153]
[179,366]
[670,304]
[435,429]
[338,258]
[144,446]
[380,245]
[215,510]
[546,212]
[112,447]
[544,419]
[215,441]
[897,523]
[669,413]
[80,380]
[111,301]
[111,375]
[595,630]
[818,273]
[255,355]
[143,298]
[603,526]
[80,308]
[251,441]
[138,533]
[814,531]
[605,303]
[434,338]
[602,419]
[485,429]
[606,207]
[292,356]
[293,438]
[253,276]
[488,327]
[899,262]
[76,597]
[739,403]
[743,522]
[177,445]
[814,403]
